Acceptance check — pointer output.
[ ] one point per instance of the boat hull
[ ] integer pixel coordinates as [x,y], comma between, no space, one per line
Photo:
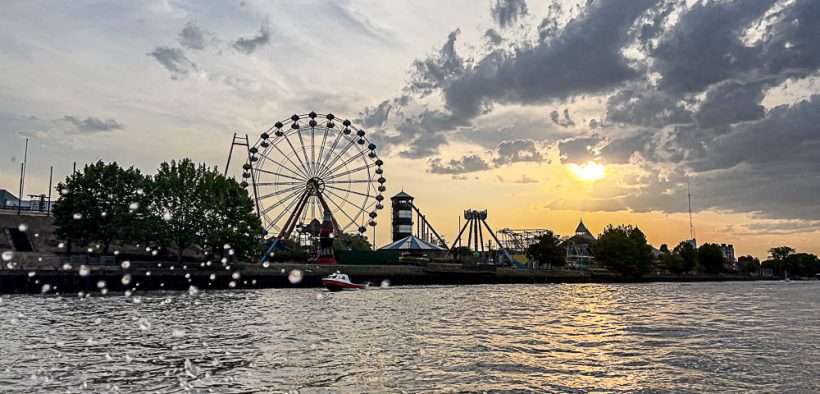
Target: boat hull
[334,285]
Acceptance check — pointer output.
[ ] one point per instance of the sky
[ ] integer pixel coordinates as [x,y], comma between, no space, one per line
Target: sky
[541,112]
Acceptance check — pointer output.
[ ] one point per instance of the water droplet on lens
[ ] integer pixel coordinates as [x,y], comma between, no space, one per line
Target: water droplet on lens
[133,206]
[295,276]
[235,275]
[46,288]
[213,277]
[232,284]
[22,227]
[61,245]
[125,264]
[31,273]
[193,290]
[126,279]
[7,255]
[166,216]
[84,270]
[143,323]
[226,246]
[77,216]
[266,264]
[385,283]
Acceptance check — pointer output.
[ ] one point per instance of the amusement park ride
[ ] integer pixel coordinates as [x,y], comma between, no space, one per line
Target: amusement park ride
[313,175]
[313,168]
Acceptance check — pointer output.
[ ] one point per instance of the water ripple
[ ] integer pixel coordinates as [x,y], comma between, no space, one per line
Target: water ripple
[703,337]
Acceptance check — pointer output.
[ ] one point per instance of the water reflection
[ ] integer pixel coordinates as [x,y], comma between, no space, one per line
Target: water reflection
[656,337]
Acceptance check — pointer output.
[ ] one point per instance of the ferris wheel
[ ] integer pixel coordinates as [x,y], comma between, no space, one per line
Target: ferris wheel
[308,165]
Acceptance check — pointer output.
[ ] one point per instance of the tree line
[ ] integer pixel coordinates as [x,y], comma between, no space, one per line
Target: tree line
[624,249]
[183,206]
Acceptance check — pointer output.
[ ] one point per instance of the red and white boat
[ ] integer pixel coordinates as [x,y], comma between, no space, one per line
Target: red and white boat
[339,281]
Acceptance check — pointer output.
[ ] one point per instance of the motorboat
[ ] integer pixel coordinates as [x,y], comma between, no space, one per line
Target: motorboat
[338,281]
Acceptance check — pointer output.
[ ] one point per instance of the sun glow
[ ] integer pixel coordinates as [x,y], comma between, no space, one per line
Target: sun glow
[589,171]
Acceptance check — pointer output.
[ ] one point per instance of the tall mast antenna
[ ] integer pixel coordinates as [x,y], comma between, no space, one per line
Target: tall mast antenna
[691,226]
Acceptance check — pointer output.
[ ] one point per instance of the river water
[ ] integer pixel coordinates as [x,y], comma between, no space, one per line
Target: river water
[704,337]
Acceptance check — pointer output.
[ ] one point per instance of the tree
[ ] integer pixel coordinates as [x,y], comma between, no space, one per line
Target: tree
[351,242]
[177,205]
[803,264]
[624,249]
[778,260]
[710,257]
[780,253]
[665,249]
[687,251]
[748,265]
[104,203]
[674,263]
[196,205]
[547,250]
[230,223]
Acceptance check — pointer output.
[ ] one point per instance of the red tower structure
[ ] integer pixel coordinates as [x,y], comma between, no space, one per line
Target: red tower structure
[326,237]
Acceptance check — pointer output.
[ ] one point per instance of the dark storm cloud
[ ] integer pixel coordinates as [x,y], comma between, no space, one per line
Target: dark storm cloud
[706,46]
[493,37]
[466,164]
[174,60]
[518,151]
[252,44]
[195,37]
[578,149]
[424,145]
[565,121]
[506,12]
[731,102]
[584,58]
[439,70]
[636,106]
[788,134]
[93,125]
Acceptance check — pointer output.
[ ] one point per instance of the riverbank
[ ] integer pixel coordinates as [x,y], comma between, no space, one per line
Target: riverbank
[36,274]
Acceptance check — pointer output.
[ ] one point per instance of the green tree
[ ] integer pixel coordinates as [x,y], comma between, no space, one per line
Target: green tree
[547,250]
[104,203]
[710,257]
[196,205]
[176,205]
[780,253]
[624,249]
[748,265]
[351,242]
[230,219]
[674,263]
[803,264]
[687,251]
[778,260]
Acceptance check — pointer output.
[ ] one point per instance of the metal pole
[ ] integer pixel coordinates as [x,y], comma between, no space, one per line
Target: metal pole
[459,226]
[25,164]
[230,152]
[50,175]
[20,198]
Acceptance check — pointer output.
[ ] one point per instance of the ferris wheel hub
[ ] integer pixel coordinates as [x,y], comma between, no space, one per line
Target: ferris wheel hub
[315,186]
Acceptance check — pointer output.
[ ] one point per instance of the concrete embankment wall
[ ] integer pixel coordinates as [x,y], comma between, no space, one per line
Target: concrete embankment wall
[30,273]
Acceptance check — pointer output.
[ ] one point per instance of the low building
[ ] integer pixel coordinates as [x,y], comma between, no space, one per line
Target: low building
[8,200]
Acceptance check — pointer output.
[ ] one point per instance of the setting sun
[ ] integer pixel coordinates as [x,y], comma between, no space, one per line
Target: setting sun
[590,171]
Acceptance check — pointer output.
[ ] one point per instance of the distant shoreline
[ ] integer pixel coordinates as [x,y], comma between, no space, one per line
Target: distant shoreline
[148,276]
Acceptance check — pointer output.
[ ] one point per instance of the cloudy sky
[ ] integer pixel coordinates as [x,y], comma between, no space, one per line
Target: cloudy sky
[542,111]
